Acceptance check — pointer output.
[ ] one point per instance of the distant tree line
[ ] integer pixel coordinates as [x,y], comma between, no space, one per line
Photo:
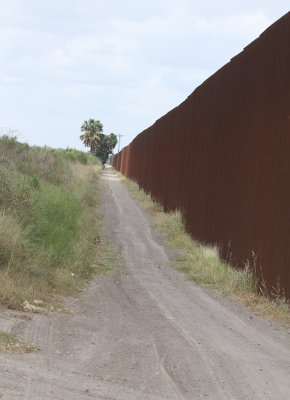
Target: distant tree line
[100,145]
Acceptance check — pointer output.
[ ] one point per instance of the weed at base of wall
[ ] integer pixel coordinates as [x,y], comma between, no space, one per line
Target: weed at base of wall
[203,265]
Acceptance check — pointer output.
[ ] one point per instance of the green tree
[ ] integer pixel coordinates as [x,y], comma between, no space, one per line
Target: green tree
[91,137]
[100,145]
[105,146]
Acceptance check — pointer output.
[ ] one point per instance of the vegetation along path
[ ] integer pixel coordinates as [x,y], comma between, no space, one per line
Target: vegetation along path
[144,332]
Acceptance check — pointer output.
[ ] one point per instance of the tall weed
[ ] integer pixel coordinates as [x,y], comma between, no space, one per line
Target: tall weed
[15,189]
[54,220]
[48,222]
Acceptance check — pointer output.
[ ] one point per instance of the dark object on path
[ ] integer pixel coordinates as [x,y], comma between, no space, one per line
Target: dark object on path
[97,239]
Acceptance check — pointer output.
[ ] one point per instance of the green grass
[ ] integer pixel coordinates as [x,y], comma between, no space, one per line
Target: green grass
[203,265]
[48,223]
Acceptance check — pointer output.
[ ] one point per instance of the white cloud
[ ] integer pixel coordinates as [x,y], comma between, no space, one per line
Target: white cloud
[123,62]
[10,79]
[241,25]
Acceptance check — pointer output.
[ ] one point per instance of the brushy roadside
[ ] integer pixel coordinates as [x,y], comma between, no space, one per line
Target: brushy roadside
[203,265]
[48,224]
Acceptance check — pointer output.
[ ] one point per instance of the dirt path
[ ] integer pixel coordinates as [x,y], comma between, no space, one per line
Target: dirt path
[146,333]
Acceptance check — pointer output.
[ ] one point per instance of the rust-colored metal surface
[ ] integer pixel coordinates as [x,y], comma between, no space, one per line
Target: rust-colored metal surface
[223,158]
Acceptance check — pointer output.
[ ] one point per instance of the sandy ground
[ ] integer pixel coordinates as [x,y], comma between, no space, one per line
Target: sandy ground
[145,332]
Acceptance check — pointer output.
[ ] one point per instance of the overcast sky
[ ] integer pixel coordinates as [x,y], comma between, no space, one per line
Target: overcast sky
[123,62]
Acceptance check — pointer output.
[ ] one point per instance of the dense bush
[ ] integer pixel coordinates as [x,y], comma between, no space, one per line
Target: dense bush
[47,220]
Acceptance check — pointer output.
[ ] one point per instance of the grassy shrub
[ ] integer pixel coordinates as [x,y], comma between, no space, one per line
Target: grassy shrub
[54,220]
[8,146]
[44,164]
[41,162]
[48,222]
[76,156]
[15,189]
[12,244]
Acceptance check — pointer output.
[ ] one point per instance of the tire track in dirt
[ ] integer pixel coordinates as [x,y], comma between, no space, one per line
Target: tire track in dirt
[145,332]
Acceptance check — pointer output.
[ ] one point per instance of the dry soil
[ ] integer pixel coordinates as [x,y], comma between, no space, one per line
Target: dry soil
[145,332]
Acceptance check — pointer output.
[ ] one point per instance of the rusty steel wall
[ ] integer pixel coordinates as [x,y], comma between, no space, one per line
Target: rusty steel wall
[223,157]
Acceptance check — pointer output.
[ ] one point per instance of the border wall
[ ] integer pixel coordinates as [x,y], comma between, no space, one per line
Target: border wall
[223,158]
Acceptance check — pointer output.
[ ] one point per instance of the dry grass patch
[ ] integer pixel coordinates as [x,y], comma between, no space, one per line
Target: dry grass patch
[145,200]
[9,344]
[203,265]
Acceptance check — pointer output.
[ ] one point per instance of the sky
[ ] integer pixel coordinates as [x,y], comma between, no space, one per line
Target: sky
[123,62]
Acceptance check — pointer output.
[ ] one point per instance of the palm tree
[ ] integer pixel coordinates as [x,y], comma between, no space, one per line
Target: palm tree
[91,137]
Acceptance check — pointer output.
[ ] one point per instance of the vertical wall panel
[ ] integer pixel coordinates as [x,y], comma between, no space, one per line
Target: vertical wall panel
[223,157]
